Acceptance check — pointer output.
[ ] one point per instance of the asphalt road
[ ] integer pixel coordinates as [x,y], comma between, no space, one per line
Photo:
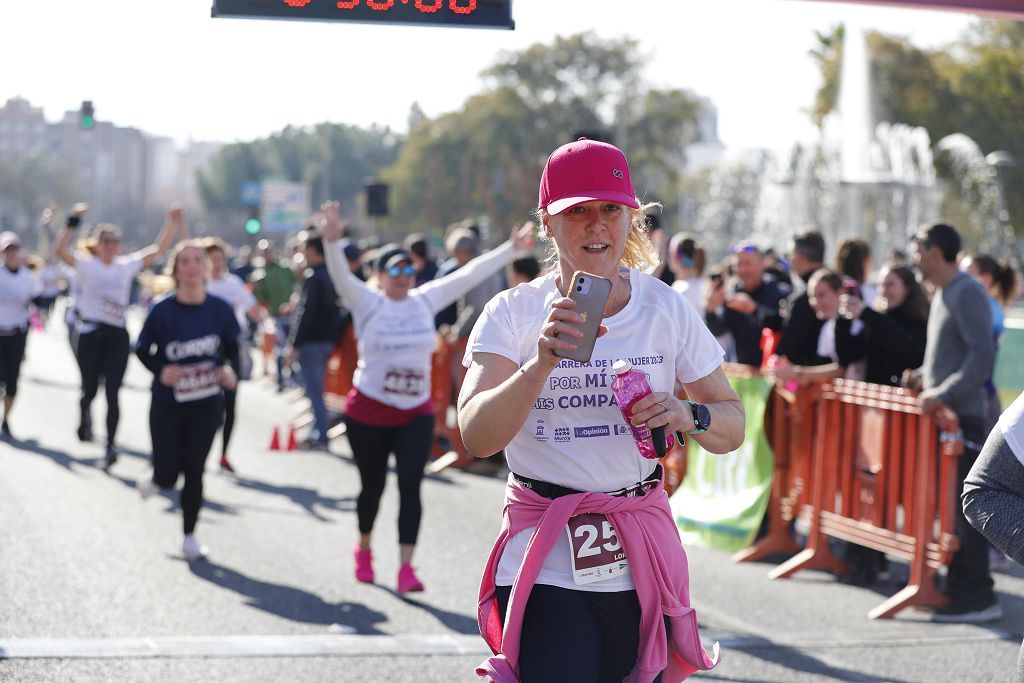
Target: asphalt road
[93,586]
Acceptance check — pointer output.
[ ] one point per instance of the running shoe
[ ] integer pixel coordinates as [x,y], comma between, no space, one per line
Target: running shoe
[146,486]
[85,432]
[193,549]
[5,431]
[364,565]
[225,465]
[408,582]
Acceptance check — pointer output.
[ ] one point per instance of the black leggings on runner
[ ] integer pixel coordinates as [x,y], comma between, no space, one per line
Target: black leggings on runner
[102,352]
[371,447]
[182,434]
[229,419]
[12,351]
[571,635]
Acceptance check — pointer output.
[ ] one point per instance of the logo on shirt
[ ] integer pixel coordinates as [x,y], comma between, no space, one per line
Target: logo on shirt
[199,347]
[621,429]
[597,430]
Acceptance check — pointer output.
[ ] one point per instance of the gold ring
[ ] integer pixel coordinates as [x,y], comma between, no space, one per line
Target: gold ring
[663,406]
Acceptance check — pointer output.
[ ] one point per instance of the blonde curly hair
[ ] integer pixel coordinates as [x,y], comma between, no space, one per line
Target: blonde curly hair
[639,253]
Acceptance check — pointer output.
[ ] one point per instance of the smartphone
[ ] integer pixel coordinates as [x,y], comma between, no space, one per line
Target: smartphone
[850,286]
[590,292]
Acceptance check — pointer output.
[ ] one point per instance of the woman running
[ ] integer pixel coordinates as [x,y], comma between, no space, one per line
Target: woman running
[18,287]
[103,285]
[229,287]
[389,409]
[556,601]
[190,343]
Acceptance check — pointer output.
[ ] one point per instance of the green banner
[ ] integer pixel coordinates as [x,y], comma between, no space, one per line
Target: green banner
[723,498]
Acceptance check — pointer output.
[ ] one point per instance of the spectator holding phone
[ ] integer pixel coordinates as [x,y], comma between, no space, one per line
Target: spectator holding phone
[104,278]
[751,304]
[545,617]
[389,409]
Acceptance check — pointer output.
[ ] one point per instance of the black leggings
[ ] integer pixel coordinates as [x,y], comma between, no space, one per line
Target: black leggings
[571,635]
[12,351]
[229,419]
[102,352]
[182,434]
[371,447]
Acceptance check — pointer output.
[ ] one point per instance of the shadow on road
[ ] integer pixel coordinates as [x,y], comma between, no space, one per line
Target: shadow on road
[65,460]
[289,602]
[453,621]
[308,499]
[800,660]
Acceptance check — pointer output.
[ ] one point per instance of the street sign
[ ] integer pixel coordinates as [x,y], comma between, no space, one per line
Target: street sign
[456,13]
[284,206]
[251,193]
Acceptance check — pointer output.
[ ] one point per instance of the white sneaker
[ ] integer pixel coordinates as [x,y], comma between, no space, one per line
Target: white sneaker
[193,549]
[146,486]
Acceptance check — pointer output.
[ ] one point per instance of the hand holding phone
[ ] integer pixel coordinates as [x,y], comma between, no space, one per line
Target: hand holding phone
[590,292]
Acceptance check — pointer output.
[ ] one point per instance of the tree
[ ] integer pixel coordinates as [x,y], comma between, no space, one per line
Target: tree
[486,158]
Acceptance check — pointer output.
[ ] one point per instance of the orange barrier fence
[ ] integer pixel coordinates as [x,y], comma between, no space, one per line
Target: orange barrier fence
[884,476]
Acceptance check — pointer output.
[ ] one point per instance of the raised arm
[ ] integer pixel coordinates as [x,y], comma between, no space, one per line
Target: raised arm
[170,233]
[354,293]
[74,221]
[445,290]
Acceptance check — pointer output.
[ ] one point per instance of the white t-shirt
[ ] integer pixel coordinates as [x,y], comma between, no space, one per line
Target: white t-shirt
[396,339]
[230,288]
[16,292]
[104,291]
[690,288]
[1011,422]
[575,435]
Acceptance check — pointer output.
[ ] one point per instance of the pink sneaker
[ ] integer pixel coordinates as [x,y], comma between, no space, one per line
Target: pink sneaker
[364,565]
[407,580]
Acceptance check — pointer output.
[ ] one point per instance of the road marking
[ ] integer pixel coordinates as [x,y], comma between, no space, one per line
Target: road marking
[242,646]
[354,645]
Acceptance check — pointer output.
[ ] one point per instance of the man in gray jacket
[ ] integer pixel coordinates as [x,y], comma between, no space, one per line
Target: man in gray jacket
[958,357]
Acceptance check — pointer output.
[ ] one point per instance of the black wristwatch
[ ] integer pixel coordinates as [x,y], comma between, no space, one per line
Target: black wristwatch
[701,418]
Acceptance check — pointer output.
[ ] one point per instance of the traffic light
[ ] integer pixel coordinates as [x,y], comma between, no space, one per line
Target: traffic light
[376,199]
[86,116]
[253,224]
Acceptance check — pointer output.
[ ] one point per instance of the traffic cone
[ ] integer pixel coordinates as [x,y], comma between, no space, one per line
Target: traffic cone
[292,445]
[275,441]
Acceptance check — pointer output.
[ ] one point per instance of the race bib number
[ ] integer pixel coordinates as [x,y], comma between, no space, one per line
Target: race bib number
[198,381]
[112,309]
[404,381]
[595,550]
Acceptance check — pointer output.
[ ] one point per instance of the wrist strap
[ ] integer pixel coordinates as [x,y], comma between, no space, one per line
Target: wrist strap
[74,222]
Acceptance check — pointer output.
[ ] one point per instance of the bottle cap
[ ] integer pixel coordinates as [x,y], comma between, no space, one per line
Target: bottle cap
[621,367]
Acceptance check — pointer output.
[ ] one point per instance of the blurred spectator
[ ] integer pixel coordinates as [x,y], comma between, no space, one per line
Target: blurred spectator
[419,249]
[853,260]
[354,256]
[824,360]
[660,240]
[317,326]
[242,266]
[800,338]
[274,283]
[893,335]
[522,270]
[687,261]
[958,358]
[747,306]
[462,245]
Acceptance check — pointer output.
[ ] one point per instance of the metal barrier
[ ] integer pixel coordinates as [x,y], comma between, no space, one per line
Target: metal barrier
[884,476]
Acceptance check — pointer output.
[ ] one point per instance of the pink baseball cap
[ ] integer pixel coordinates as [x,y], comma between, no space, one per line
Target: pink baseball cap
[585,171]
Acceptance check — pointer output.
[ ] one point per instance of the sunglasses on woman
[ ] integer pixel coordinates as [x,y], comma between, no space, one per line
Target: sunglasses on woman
[395,271]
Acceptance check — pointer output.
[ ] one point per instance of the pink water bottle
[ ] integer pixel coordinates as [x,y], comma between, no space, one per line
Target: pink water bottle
[628,387]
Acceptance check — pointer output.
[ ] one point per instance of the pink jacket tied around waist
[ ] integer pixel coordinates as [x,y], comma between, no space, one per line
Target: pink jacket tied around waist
[649,536]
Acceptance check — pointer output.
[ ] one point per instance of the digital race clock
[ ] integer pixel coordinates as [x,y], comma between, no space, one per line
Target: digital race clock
[467,13]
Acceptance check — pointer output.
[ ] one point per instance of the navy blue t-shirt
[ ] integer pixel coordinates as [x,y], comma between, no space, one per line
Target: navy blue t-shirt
[198,337]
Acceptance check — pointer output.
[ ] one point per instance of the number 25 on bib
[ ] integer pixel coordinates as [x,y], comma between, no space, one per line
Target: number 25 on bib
[595,550]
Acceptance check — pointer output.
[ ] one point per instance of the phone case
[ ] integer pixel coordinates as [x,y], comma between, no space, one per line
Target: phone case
[590,294]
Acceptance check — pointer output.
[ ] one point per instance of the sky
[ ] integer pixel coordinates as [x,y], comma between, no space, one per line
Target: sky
[169,69]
